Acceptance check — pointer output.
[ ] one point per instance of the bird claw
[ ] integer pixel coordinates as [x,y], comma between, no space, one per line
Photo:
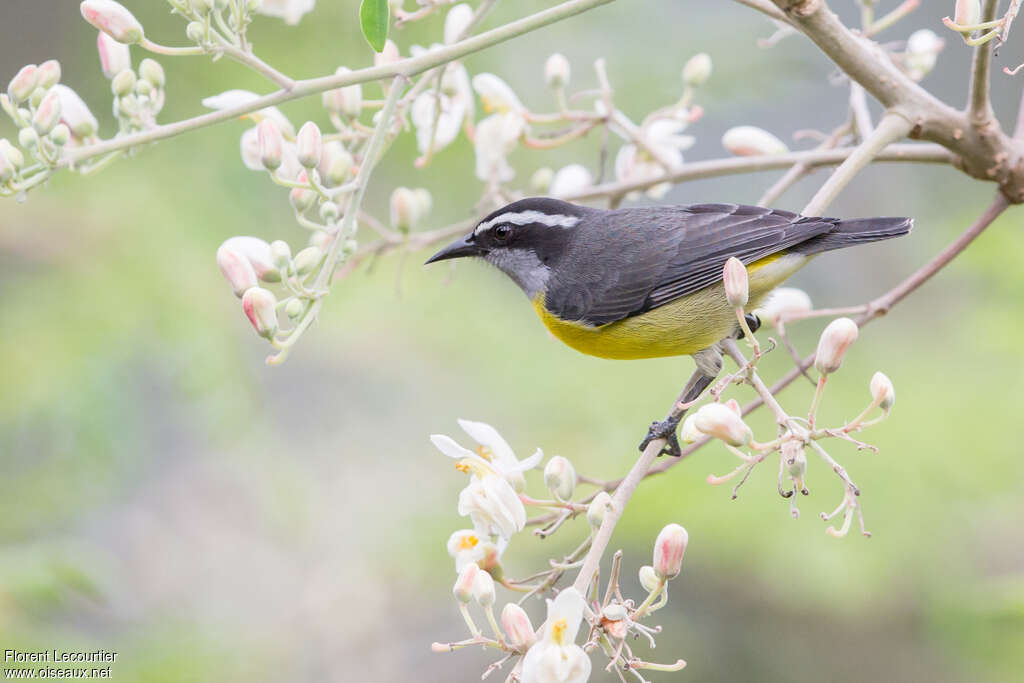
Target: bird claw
[664,429]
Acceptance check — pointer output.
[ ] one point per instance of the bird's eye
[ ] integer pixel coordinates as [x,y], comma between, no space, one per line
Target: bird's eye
[501,232]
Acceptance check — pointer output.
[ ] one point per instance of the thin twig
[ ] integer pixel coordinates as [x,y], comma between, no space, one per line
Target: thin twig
[980,106]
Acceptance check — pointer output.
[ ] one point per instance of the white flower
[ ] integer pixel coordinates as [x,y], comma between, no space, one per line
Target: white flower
[496,94]
[636,164]
[556,658]
[457,22]
[496,137]
[449,121]
[496,450]
[289,10]
[234,98]
[569,180]
[468,546]
[75,113]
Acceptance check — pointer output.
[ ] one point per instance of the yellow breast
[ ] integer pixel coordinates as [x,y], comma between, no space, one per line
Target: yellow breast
[685,326]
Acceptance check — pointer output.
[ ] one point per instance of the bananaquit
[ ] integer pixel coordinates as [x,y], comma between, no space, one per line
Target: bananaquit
[647,282]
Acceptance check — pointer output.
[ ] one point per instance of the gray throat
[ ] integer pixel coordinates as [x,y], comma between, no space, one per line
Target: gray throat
[523,266]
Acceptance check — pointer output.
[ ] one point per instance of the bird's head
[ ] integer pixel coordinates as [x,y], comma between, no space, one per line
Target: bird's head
[525,239]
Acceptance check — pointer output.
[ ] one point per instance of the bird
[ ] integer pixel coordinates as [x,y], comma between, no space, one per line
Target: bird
[646,282]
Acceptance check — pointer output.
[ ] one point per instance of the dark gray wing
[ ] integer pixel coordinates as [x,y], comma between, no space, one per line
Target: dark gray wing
[636,260]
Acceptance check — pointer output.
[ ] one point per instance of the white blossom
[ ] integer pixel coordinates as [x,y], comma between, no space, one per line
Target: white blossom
[496,94]
[289,10]
[556,658]
[496,137]
[569,180]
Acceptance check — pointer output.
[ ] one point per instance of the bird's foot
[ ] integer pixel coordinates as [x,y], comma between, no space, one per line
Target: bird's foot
[753,322]
[664,429]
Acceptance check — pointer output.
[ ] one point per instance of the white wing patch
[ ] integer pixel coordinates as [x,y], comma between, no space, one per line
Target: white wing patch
[554,220]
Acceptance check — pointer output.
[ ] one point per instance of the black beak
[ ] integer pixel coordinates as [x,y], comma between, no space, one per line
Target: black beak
[463,247]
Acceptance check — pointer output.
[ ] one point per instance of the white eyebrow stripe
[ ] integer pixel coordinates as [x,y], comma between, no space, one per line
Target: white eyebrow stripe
[555,220]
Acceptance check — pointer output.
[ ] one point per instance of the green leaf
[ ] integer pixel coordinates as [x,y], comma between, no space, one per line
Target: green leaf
[375,17]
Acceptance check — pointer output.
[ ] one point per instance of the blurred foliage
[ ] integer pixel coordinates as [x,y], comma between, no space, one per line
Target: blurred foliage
[168,496]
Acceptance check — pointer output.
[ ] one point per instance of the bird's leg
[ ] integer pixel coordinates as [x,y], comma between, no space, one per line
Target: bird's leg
[709,364]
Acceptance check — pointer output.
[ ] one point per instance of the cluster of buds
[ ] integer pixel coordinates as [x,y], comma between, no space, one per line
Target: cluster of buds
[495,500]
[138,96]
[214,23]
[724,420]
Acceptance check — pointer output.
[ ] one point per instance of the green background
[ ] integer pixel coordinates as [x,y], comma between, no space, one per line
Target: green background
[165,494]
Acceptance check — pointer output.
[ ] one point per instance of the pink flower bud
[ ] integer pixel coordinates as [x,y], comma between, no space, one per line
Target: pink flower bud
[347,100]
[260,306]
[281,253]
[47,114]
[48,74]
[668,551]
[389,55]
[557,71]
[23,83]
[250,149]
[309,144]
[560,477]
[463,588]
[236,269]
[271,144]
[747,141]
[113,19]
[75,113]
[457,22]
[518,629]
[483,589]
[967,12]
[404,208]
[6,167]
[335,164]
[734,405]
[719,421]
[737,283]
[12,153]
[697,70]
[835,341]
[689,432]
[301,199]
[115,57]
[883,391]
[257,252]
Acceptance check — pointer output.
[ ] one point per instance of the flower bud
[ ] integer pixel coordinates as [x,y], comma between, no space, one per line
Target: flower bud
[249,146]
[347,100]
[202,7]
[389,55]
[668,551]
[483,589]
[751,141]
[115,57]
[28,138]
[719,421]
[301,199]
[457,21]
[463,588]
[60,135]
[23,83]
[541,179]
[737,283]
[883,391]
[689,433]
[236,269]
[795,459]
[404,209]
[75,113]
[329,212]
[697,70]
[309,144]
[12,153]
[258,253]
[271,144]
[649,578]
[569,180]
[784,302]
[335,164]
[967,12]
[923,48]
[835,341]
[143,88]
[308,259]
[123,83]
[294,308]
[48,114]
[518,629]
[557,71]
[6,167]
[597,509]
[37,96]
[260,306]
[196,32]
[424,201]
[560,477]
[281,253]
[113,19]
[151,71]
[48,74]
[319,239]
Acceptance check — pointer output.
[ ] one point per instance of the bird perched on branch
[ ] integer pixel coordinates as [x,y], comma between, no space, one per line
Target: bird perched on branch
[647,282]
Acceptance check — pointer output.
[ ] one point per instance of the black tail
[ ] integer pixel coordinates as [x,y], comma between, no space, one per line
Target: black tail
[850,233]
